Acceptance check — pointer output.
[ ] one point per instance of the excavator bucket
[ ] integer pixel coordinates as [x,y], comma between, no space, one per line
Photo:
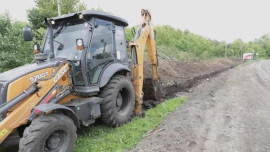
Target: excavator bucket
[152,90]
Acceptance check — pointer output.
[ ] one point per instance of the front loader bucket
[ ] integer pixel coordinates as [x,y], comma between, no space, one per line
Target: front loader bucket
[152,90]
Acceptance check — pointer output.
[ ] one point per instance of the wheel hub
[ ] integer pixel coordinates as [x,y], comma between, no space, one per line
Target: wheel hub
[54,141]
[119,100]
[122,101]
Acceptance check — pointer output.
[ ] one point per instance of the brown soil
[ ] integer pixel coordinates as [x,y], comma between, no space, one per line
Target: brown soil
[179,76]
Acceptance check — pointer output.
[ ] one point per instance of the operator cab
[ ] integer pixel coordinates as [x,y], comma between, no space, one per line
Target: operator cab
[92,41]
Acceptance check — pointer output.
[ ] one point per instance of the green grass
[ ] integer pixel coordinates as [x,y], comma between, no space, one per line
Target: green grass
[98,138]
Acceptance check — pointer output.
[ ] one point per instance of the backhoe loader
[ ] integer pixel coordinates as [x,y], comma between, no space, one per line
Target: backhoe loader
[80,74]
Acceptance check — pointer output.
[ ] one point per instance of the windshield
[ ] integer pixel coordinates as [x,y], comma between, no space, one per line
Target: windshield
[65,37]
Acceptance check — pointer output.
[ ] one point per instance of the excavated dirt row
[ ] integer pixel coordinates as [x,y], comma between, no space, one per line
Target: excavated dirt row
[180,76]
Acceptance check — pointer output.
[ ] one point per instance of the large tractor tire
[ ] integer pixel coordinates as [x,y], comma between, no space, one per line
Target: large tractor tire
[49,133]
[118,103]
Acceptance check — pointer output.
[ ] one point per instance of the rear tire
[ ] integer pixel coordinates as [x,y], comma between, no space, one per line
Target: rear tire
[118,103]
[49,133]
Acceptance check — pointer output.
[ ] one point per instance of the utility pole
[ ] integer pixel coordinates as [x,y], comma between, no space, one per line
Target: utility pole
[59,7]
[241,51]
[225,50]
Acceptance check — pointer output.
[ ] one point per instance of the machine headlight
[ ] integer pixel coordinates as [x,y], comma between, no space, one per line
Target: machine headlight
[79,43]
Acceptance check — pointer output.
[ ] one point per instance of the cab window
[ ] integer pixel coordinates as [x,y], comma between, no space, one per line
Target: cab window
[101,45]
[120,42]
[101,49]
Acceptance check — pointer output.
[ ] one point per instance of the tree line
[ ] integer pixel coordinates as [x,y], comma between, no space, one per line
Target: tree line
[171,43]
[180,45]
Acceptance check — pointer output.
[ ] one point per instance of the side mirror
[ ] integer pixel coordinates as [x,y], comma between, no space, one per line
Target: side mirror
[27,33]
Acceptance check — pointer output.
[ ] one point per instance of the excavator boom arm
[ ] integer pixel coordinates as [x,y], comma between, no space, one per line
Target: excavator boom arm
[145,35]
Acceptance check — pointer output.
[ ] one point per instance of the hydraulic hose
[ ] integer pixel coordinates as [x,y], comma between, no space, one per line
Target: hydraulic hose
[65,94]
[18,99]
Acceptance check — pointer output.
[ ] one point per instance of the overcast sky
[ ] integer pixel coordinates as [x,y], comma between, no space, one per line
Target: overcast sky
[216,19]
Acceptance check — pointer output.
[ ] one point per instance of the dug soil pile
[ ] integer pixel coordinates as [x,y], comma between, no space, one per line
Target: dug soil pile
[179,76]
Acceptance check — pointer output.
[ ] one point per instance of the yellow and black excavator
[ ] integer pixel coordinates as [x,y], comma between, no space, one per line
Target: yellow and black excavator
[81,73]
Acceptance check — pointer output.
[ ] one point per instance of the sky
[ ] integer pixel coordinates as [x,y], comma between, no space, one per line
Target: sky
[223,20]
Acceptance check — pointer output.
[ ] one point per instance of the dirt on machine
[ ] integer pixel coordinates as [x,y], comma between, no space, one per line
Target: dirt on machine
[81,73]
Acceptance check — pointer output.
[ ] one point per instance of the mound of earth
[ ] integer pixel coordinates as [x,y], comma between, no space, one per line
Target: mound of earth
[177,76]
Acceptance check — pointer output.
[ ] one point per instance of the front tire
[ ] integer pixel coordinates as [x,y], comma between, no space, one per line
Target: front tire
[49,133]
[118,101]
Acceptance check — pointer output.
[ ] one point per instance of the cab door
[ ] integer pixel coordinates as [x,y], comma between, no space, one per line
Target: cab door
[101,50]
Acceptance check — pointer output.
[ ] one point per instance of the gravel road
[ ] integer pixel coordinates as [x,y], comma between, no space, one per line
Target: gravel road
[226,113]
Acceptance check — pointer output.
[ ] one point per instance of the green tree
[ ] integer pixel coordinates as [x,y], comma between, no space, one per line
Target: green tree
[5,23]
[236,48]
[264,42]
[13,50]
[48,8]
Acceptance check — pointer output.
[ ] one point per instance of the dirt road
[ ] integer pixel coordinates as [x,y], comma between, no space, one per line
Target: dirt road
[230,112]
